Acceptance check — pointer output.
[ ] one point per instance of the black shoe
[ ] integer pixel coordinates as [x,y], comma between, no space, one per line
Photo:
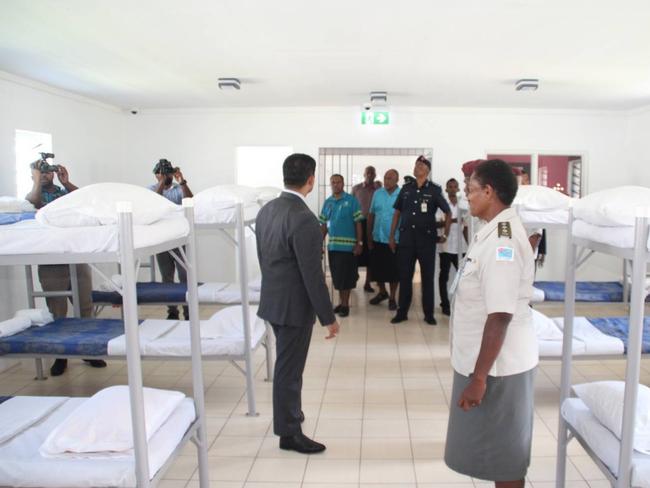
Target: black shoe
[59,366]
[378,298]
[368,288]
[173,315]
[344,311]
[446,311]
[96,363]
[399,318]
[430,320]
[392,305]
[337,309]
[301,417]
[301,443]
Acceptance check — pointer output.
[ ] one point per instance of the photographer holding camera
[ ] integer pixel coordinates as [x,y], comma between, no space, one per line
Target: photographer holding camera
[56,277]
[165,174]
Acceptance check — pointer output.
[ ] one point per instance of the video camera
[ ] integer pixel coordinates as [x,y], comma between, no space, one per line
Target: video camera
[43,166]
[165,167]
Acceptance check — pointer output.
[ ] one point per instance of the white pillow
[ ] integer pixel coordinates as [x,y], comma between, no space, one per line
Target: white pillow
[545,328]
[103,422]
[613,207]
[96,204]
[605,401]
[541,198]
[15,205]
[230,321]
[267,193]
[224,196]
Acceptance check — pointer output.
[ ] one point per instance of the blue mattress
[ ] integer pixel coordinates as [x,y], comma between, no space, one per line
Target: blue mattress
[149,292]
[619,327]
[67,337]
[12,218]
[586,291]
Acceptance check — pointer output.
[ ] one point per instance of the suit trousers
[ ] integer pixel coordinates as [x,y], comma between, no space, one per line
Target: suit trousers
[56,277]
[168,266]
[446,260]
[406,258]
[292,346]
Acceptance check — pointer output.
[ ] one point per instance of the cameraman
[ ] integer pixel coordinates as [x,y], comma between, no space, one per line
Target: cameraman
[56,277]
[166,173]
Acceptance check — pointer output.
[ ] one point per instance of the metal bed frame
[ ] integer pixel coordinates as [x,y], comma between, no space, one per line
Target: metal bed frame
[639,256]
[129,258]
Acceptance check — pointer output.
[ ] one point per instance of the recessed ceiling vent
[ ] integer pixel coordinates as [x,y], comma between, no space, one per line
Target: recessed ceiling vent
[527,84]
[229,84]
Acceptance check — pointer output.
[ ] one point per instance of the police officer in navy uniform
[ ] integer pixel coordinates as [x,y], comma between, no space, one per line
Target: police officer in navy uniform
[415,216]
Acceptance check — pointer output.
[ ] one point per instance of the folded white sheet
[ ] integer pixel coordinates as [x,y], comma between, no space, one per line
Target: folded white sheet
[595,341]
[545,328]
[538,296]
[227,293]
[20,413]
[37,316]
[112,284]
[13,326]
[553,349]
[150,330]
[544,217]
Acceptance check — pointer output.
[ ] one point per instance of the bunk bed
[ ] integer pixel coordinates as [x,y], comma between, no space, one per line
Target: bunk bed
[613,452]
[123,242]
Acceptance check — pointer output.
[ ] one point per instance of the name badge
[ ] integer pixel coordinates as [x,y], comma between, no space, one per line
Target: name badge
[505,253]
[423,207]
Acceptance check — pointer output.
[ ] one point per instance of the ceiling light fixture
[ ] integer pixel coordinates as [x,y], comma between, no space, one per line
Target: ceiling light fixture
[229,84]
[527,84]
[378,98]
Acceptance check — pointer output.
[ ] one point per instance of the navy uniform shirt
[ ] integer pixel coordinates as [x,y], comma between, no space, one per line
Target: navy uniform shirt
[418,208]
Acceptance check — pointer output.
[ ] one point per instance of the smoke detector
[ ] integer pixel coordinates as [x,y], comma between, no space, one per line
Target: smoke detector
[378,98]
[229,84]
[527,84]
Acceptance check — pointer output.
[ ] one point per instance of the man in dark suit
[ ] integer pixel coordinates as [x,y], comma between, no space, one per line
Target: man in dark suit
[294,293]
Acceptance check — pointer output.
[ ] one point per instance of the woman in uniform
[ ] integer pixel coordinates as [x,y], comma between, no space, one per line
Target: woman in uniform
[493,345]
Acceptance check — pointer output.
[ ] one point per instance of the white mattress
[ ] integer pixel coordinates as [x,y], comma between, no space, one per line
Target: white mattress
[622,237]
[31,237]
[604,444]
[225,293]
[595,341]
[553,349]
[223,216]
[23,465]
[172,338]
[560,216]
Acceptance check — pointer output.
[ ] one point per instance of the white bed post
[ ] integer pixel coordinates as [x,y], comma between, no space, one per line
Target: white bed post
[74,286]
[31,303]
[567,351]
[637,303]
[130,310]
[195,342]
[243,285]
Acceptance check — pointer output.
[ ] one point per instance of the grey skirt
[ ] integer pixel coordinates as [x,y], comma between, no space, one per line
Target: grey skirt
[492,441]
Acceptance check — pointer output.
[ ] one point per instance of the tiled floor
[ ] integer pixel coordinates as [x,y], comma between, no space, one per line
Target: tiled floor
[377,396]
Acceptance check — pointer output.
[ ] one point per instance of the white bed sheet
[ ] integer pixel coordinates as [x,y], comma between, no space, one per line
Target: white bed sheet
[225,293]
[553,349]
[595,341]
[223,216]
[604,444]
[22,464]
[31,237]
[538,296]
[560,216]
[173,339]
[622,237]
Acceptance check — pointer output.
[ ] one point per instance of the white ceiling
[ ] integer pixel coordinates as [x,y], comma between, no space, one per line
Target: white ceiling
[588,54]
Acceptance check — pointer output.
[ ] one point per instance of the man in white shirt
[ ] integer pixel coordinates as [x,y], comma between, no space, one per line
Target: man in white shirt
[451,248]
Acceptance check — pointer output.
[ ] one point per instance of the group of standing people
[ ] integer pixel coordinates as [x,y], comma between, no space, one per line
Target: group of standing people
[388,229]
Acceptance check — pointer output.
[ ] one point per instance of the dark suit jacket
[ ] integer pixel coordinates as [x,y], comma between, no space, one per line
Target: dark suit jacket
[289,243]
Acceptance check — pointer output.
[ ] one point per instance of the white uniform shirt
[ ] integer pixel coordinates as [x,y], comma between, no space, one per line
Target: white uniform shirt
[497,277]
[451,245]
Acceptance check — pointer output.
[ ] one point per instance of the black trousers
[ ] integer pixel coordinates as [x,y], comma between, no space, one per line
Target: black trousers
[168,266]
[406,258]
[446,260]
[291,346]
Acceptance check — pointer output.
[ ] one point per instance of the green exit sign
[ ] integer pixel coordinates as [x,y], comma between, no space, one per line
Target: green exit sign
[375,118]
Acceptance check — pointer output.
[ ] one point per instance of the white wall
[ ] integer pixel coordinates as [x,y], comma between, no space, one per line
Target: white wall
[204,143]
[87,138]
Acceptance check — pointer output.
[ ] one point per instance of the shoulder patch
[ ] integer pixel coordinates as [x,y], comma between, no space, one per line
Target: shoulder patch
[505,253]
[504,230]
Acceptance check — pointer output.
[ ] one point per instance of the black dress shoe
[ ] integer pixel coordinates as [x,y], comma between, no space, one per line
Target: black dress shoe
[446,311]
[173,315]
[378,298]
[96,363]
[344,311]
[430,320]
[399,318]
[368,288]
[337,309]
[392,305]
[301,443]
[59,366]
